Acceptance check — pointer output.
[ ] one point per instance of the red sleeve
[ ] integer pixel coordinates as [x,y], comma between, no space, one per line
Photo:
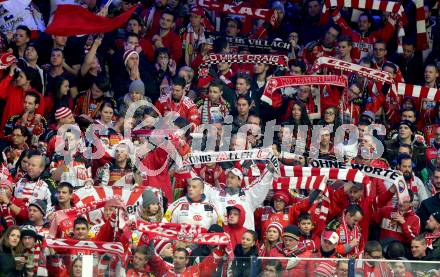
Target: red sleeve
[160,107]
[105,233]
[194,116]
[176,48]
[4,86]
[208,266]
[158,266]
[411,228]
[78,106]
[340,21]
[22,216]
[297,208]
[386,33]
[384,198]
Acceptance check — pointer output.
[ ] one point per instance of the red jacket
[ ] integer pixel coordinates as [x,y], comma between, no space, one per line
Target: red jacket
[390,229]
[237,231]
[14,98]
[185,108]
[294,268]
[266,215]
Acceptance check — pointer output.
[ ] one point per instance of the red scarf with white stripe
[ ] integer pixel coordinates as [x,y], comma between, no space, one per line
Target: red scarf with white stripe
[422,36]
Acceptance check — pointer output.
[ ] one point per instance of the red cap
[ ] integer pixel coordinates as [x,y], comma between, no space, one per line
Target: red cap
[197,10]
[282,195]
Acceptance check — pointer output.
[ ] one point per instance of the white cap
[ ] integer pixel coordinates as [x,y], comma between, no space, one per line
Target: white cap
[236,172]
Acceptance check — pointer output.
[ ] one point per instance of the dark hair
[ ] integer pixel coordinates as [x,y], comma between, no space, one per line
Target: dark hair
[245,97]
[34,95]
[24,131]
[220,44]
[336,27]
[66,185]
[26,29]
[300,64]
[365,60]
[181,249]
[170,12]
[409,110]
[379,41]
[179,81]
[408,41]
[216,83]
[30,73]
[102,83]
[80,220]
[59,100]
[57,50]
[372,245]
[131,34]
[403,157]
[390,64]
[161,50]
[150,111]
[304,120]
[237,21]
[276,264]
[352,209]
[304,216]
[107,103]
[346,39]
[244,76]
[137,18]
[408,146]
[394,250]
[253,234]
[368,15]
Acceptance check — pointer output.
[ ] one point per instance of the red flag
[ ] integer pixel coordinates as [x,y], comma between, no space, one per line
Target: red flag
[71,20]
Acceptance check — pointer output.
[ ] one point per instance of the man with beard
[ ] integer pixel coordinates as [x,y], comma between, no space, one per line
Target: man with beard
[404,165]
[433,236]
[179,103]
[329,240]
[349,232]
[428,207]
[407,132]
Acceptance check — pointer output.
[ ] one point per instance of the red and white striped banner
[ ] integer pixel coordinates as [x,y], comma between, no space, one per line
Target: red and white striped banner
[417,91]
[307,183]
[422,36]
[378,5]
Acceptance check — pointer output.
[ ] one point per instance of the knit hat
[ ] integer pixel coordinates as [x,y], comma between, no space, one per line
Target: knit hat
[159,244]
[370,115]
[149,197]
[277,5]
[128,54]
[62,112]
[28,229]
[236,172]
[330,236]
[436,216]
[282,195]
[137,86]
[409,124]
[277,226]
[40,204]
[292,231]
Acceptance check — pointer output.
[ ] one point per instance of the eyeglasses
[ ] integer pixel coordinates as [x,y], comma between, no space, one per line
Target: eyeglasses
[379,49]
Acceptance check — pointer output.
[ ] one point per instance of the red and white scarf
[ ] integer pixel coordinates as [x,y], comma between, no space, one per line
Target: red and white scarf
[422,36]
[431,237]
[275,83]
[231,9]
[416,91]
[377,75]
[356,234]
[277,60]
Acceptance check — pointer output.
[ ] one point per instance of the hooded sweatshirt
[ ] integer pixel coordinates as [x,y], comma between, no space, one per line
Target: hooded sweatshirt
[236,231]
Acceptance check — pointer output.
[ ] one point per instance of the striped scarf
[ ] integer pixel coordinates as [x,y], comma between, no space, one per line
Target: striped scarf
[191,41]
[422,36]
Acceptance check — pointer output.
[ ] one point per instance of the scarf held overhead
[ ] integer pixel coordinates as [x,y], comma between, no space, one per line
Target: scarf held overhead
[275,83]
[228,156]
[388,175]
[255,44]
[277,60]
[230,9]
[377,75]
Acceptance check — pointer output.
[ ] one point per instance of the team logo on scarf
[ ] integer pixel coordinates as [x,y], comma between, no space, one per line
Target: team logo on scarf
[6,59]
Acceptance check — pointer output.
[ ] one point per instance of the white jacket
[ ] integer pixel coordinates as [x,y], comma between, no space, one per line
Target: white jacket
[201,213]
[250,198]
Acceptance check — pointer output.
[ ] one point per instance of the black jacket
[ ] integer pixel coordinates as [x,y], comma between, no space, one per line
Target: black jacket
[427,208]
[245,265]
[7,263]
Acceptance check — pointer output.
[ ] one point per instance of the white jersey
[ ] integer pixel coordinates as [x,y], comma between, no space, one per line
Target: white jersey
[29,191]
[183,210]
[20,12]
[249,198]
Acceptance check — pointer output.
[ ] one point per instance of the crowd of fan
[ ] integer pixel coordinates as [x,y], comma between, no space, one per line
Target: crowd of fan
[93,79]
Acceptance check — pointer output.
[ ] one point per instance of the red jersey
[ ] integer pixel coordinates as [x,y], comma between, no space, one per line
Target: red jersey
[185,108]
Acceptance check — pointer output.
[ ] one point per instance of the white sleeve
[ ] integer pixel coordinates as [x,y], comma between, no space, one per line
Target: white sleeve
[259,188]
[210,192]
